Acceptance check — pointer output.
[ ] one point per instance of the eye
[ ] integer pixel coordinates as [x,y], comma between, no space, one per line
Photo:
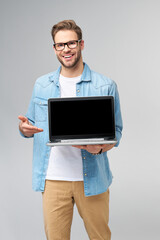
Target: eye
[59,44]
[72,43]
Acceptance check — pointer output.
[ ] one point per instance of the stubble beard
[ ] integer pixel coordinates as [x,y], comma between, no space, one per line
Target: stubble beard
[74,63]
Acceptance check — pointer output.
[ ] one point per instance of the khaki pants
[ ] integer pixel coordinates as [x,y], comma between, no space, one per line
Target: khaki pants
[58,201]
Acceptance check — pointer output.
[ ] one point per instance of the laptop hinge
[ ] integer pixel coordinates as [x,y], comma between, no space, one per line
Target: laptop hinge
[83,140]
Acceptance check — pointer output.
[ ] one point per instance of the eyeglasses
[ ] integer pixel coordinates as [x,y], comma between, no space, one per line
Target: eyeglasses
[71,44]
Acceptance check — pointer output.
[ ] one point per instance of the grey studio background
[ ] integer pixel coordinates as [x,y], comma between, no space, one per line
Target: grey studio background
[122,42]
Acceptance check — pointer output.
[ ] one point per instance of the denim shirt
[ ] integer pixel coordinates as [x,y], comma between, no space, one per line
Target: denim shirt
[96,171]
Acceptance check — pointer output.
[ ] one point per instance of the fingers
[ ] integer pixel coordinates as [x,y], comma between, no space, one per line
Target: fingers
[108,147]
[95,148]
[79,146]
[27,128]
[31,128]
[89,148]
[23,119]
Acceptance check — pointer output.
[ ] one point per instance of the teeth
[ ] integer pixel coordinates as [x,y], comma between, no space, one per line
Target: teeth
[68,56]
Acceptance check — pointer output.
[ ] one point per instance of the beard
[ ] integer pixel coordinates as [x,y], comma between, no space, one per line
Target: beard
[74,63]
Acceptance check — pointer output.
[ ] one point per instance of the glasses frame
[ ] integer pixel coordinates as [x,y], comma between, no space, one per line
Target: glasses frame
[66,43]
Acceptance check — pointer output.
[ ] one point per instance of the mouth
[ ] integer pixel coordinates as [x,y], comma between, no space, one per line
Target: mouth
[68,56]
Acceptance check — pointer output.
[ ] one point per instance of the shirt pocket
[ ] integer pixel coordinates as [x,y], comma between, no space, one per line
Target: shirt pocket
[41,109]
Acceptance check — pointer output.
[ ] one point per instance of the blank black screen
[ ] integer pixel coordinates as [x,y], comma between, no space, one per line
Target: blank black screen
[82,117]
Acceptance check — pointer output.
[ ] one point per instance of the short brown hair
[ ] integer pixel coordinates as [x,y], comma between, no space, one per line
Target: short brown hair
[66,25]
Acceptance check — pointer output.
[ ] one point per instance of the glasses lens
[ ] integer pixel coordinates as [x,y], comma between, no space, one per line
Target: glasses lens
[59,46]
[72,44]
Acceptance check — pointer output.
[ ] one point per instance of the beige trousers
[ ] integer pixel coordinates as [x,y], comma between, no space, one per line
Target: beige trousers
[58,201]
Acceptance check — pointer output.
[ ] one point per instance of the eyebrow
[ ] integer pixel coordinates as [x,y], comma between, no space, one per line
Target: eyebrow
[67,41]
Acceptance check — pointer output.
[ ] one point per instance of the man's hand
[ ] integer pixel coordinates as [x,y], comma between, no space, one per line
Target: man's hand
[95,148]
[26,128]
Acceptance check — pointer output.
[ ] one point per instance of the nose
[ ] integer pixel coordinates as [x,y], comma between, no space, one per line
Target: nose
[66,48]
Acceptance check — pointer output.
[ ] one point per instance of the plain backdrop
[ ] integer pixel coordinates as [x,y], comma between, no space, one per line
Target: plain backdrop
[122,41]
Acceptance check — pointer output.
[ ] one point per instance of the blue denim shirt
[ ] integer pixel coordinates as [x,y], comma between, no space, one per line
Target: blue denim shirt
[96,171]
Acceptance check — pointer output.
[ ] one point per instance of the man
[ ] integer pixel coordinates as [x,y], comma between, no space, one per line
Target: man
[70,174]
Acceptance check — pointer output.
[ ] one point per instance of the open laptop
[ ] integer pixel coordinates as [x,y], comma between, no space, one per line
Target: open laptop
[81,121]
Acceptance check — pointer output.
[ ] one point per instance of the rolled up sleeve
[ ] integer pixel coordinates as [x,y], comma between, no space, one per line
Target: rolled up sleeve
[118,117]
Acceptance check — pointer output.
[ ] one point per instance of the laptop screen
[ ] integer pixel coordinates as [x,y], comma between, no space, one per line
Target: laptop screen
[85,117]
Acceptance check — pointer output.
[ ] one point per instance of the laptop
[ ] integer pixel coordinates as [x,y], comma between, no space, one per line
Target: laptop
[81,121]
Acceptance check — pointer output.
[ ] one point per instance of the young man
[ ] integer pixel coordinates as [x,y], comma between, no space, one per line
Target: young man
[70,174]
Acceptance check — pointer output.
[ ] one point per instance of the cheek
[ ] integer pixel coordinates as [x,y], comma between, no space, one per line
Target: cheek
[58,55]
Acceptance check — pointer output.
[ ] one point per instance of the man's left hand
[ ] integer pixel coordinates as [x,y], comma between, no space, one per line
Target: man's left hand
[95,148]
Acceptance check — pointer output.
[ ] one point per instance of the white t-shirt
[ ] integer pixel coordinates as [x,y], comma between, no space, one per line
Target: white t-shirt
[65,162]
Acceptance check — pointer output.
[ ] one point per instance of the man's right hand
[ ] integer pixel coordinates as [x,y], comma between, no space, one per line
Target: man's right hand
[26,128]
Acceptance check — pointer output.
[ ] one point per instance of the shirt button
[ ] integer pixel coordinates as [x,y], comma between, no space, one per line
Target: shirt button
[84,158]
[78,90]
[85,174]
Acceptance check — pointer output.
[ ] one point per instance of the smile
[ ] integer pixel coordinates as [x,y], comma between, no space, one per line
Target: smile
[68,56]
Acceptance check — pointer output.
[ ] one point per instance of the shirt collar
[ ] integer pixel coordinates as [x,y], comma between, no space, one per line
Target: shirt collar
[86,75]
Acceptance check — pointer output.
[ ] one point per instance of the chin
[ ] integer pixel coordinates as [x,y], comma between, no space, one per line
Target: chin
[69,65]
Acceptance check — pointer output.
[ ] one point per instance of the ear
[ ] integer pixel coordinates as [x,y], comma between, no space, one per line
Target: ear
[82,44]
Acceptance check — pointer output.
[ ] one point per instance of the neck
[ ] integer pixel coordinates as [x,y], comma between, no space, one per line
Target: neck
[74,71]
